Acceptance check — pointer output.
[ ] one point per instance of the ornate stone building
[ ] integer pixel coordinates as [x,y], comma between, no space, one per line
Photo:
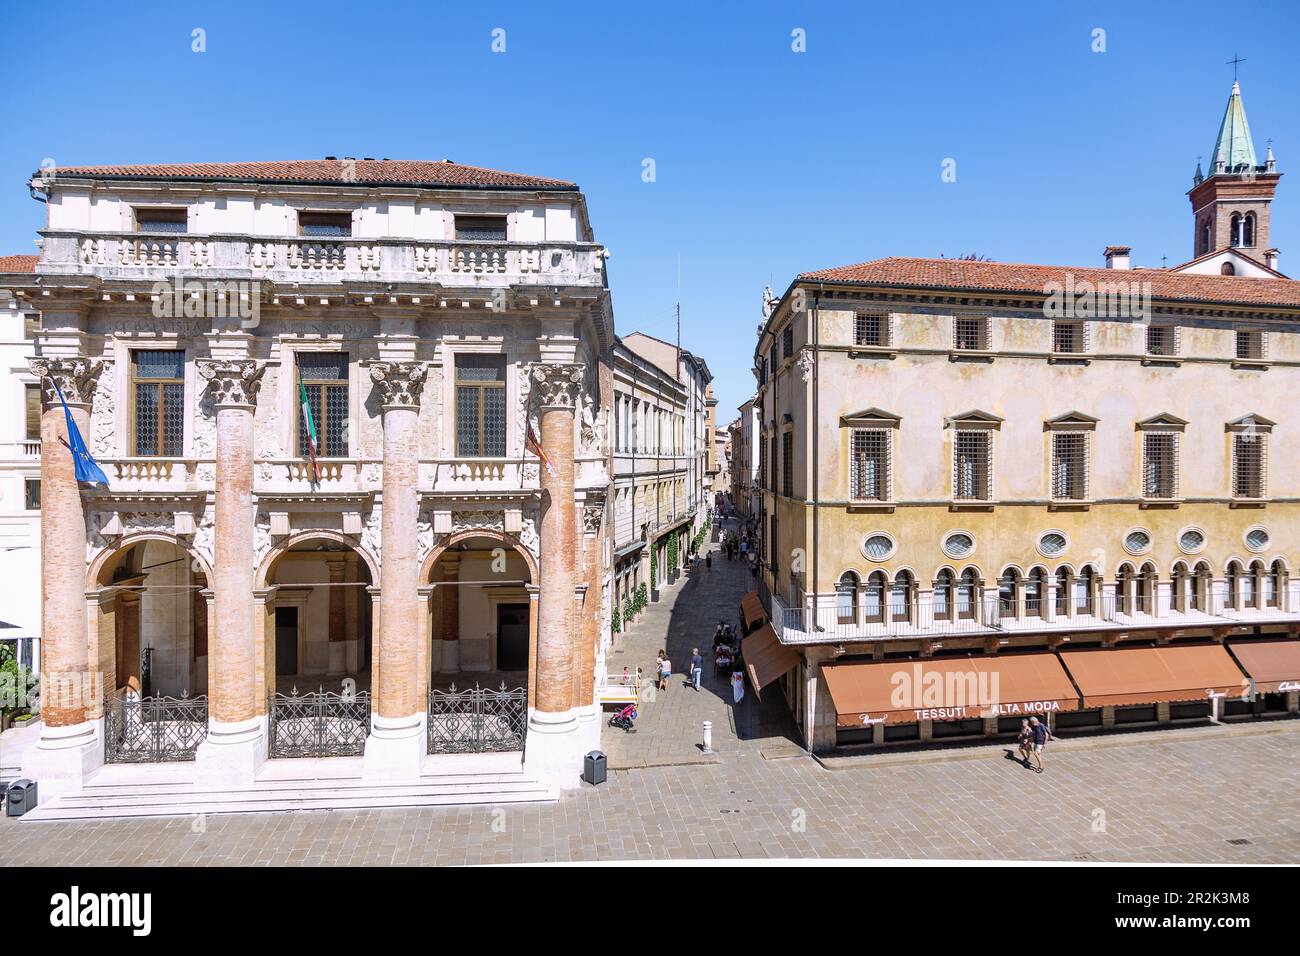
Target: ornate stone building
[319,391]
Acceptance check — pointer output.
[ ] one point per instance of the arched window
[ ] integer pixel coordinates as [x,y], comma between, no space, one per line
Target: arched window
[875,598]
[1248,230]
[943,585]
[1227,269]
[1199,599]
[1035,586]
[1123,578]
[900,597]
[1008,586]
[1062,591]
[1181,584]
[1234,232]
[1232,583]
[1084,587]
[1145,588]
[1252,585]
[846,598]
[1275,585]
[1205,237]
[967,594]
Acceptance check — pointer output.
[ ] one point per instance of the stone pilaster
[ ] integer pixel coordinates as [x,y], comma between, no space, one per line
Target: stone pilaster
[449,626]
[236,742]
[70,683]
[587,633]
[396,743]
[338,615]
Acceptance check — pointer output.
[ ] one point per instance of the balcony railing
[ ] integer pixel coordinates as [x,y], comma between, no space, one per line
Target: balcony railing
[294,259]
[461,476]
[18,450]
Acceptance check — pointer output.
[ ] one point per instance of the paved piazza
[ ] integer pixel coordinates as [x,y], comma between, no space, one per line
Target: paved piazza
[1165,796]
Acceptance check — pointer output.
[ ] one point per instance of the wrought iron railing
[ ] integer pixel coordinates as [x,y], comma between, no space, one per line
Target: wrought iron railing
[477,721]
[154,729]
[319,724]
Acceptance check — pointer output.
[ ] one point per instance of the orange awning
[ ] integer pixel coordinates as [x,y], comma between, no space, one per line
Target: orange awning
[1125,676]
[766,658]
[751,608]
[1273,665]
[955,688]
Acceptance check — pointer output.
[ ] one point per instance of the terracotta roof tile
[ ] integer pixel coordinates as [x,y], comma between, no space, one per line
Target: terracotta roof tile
[396,172]
[18,263]
[963,274]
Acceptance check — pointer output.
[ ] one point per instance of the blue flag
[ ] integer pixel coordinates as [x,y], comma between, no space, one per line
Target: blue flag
[84,465]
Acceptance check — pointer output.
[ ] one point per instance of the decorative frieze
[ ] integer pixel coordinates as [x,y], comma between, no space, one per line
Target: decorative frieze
[399,383]
[557,384]
[75,375]
[232,382]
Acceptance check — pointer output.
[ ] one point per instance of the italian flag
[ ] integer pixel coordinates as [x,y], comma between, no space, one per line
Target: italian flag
[312,441]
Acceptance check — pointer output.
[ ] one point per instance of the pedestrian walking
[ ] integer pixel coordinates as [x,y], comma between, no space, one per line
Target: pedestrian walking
[1041,736]
[737,687]
[697,668]
[1026,741]
[708,561]
[665,672]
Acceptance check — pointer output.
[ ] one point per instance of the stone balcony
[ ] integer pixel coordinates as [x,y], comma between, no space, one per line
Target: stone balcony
[294,260]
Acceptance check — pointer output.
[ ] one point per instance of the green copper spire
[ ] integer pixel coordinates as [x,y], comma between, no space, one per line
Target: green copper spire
[1234,148]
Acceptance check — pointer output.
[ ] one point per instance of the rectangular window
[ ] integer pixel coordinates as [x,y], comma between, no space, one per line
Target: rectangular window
[491,228]
[481,406]
[324,376]
[1070,466]
[870,329]
[1251,345]
[1067,337]
[972,462]
[325,225]
[158,383]
[869,465]
[771,546]
[772,462]
[970,334]
[1160,465]
[33,397]
[787,340]
[1249,460]
[1162,340]
[762,463]
[787,464]
[161,220]
[32,487]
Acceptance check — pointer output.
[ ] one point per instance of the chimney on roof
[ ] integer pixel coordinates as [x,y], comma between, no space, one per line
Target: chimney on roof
[1117,257]
[1270,258]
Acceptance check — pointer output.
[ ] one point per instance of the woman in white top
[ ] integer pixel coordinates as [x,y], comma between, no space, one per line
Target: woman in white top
[737,687]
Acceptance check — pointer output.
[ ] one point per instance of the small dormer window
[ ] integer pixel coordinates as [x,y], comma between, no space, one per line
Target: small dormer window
[489,228]
[325,225]
[161,220]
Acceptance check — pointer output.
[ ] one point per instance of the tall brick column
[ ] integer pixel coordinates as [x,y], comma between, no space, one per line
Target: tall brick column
[553,740]
[396,743]
[588,631]
[70,682]
[236,741]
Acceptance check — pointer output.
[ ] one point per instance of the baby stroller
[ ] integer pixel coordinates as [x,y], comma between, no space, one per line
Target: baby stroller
[624,718]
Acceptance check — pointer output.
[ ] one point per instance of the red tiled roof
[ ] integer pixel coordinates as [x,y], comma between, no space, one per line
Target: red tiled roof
[398,172]
[18,263]
[964,274]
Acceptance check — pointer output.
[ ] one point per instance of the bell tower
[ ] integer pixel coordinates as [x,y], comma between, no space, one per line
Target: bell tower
[1230,206]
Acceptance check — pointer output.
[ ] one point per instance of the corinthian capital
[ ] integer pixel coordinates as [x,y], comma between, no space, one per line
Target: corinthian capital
[399,383]
[557,384]
[232,381]
[75,376]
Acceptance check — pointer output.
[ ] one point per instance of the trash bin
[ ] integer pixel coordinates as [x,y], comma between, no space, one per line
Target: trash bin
[593,768]
[21,796]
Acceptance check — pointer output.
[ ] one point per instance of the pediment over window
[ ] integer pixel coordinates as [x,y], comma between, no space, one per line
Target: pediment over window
[1251,422]
[870,416]
[975,418]
[1072,420]
[1163,420]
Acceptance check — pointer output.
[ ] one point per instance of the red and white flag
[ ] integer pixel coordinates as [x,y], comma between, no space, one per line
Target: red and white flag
[535,447]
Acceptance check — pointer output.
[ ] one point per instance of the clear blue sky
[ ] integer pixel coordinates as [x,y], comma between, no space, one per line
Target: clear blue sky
[768,162]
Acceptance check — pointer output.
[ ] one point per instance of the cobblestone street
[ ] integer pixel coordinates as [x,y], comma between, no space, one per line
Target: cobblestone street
[1226,794]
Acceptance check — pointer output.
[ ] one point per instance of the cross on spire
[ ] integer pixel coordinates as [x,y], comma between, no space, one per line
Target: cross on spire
[1233,63]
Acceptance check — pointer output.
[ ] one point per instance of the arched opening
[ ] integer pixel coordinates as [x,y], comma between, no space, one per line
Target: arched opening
[1123,588]
[1252,585]
[874,597]
[1181,585]
[1232,586]
[967,594]
[1144,588]
[1275,584]
[900,597]
[1248,230]
[1199,597]
[1227,269]
[846,598]
[1084,588]
[1035,588]
[943,596]
[1235,232]
[1008,593]
[1062,591]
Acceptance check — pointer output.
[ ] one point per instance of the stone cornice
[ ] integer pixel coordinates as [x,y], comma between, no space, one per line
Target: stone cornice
[233,382]
[557,384]
[399,383]
[75,376]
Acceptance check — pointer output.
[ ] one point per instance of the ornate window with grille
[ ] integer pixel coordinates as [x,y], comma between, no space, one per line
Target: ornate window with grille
[1069,337]
[787,464]
[492,228]
[1252,345]
[972,465]
[158,391]
[970,333]
[171,219]
[325,225]
[787,340]
[1162,340]
[1249,465]
[871,329]
[869,465]
[1160,465]
[324,377]
[1070,465]
[481,406]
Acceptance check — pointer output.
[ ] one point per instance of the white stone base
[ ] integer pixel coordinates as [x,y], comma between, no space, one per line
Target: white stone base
[232,754]
[447,656]
[589,724]
[64,757]
[555,746]
[395,748]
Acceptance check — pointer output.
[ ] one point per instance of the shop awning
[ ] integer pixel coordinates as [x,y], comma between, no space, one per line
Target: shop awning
[1274,666]
[1127,676]
[751,608]
[957,688]
[766,658]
